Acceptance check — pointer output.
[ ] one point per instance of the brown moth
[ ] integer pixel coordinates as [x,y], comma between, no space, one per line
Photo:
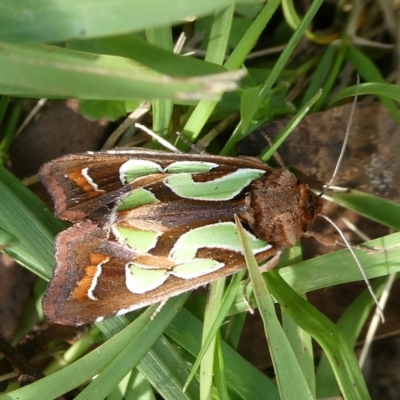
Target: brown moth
[149,225]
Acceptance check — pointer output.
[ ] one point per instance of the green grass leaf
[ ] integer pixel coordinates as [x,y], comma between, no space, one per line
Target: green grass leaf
[27,226]
[242,378]
[384,211]
[379,89]
[129,345]
[291,381]
[336,268]
[50,71]
[335,346]
[58,20]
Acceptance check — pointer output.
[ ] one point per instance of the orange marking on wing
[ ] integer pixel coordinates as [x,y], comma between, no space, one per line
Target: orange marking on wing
[81,290]
[80,180]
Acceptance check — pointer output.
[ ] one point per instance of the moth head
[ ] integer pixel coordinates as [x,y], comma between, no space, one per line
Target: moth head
[310,205]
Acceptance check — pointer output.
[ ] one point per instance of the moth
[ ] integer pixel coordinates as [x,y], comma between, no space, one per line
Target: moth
[149,225]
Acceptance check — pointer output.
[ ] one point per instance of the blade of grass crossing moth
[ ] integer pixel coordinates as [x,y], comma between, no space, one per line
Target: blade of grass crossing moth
[333,269]
[228,299]
[301,344]
[328,336]
[216,49]
[290,378]
[350,324]
[300,340]
[215,297]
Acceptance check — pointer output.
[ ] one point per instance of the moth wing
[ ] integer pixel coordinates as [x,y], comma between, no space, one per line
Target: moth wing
[87,185]
[90,279]
[158,221]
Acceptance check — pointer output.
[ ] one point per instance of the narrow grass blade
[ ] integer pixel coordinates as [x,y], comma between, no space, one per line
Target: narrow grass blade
[291,381]
[242,378]
[133,341]
[51,71]
[276,70]
[27,226]
[373,207]
[328,336]
[59,20]
[336,268]
[223,310]
[204,109]
[350,324]
[288,129]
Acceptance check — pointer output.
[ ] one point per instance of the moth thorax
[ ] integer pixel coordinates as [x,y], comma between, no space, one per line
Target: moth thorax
[279,208]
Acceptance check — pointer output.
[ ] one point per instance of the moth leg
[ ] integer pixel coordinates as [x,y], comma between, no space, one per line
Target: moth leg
[250,309]
[270,264]
[328,241]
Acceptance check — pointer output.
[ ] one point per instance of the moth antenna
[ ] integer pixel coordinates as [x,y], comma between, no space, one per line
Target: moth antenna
[373,327]
[358,265]
[159,139]
[344,145]
[327,186]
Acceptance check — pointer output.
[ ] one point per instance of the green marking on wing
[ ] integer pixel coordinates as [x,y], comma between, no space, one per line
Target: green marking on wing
[221,235]
[138,197]
[195,268]
[141,280]
[224,188]
[141,241]
[178,167]
[133,169]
